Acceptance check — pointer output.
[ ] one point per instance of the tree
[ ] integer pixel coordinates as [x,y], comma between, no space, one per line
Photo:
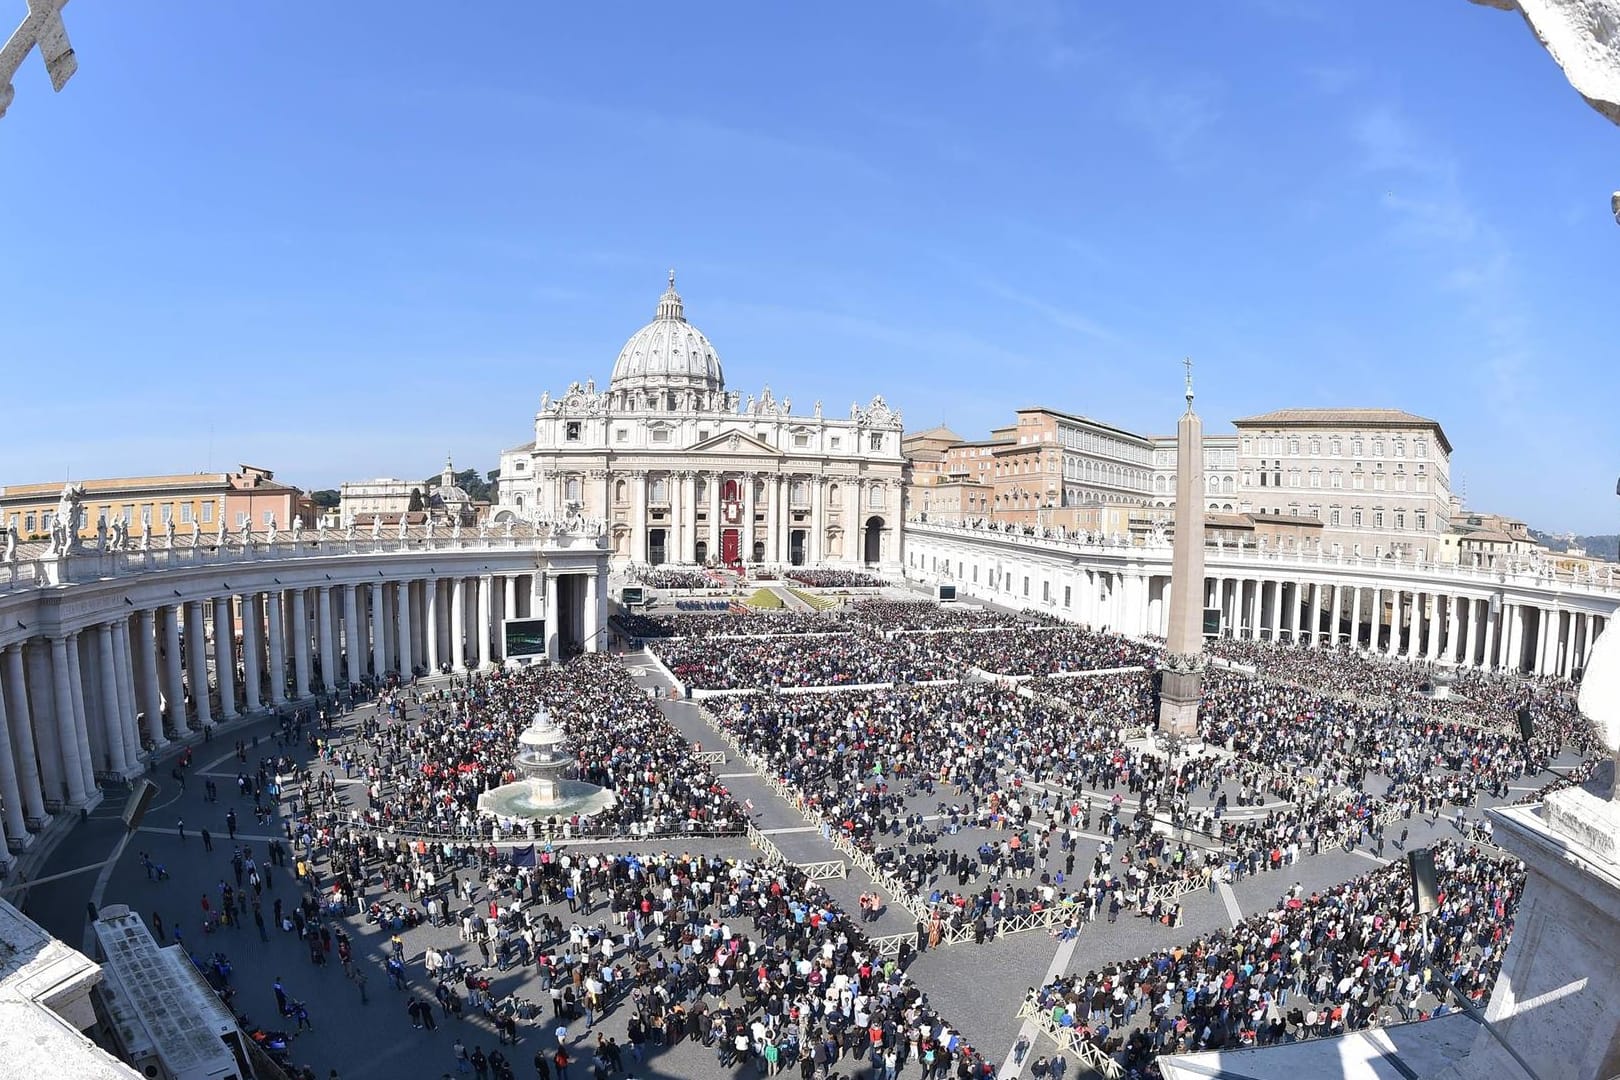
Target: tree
[416,506]
[327,498]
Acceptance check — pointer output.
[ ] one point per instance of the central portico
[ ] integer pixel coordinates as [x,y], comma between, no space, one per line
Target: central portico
[684,471]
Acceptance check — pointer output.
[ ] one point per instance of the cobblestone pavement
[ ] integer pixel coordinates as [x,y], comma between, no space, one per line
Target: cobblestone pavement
[977,988]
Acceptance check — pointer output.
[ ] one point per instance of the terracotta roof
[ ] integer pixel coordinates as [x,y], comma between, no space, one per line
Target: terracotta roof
[1394,418]
[1284,519]
[938,431]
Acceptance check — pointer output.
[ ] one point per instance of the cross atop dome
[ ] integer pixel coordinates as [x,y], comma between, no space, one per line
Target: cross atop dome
[669,305]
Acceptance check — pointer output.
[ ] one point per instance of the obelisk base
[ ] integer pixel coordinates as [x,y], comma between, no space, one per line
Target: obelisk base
[1179,694]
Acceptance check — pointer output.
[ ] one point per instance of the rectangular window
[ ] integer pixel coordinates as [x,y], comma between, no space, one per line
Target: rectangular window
[621,435]
[1378,519]
[168,513]
[1046,592]
[185,513]
[1355,518]
[875,440]
[801,440]
[241,518]
[1422,518]
[837,442]
[975,573]
[1026,586]
[128,514]
[1068,596]
[660,435]
[269,518]
[146,513]
[1400,520]
[28,524]
[207,513]
[571,431]
[1333,518]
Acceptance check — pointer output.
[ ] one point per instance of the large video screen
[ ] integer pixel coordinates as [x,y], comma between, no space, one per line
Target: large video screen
[525,637]
[1212,622]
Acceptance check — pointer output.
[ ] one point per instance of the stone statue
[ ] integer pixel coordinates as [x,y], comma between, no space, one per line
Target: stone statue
[403,526]
[751,408]
[787,406]
[297,527]
[545,401]
[270,530]
[818,410]
[146,536]
[168,532]
[101,535]
[11,545]
[509,528]
[219,530]
[429,527]
[854,410]
[196,537]
[348,530]
[67,511]
[455,529]
[247,531]
[376,526]
[483,530]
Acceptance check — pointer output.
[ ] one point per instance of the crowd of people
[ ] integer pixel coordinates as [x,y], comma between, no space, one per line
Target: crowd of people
[1034,650]
[834,579]
[428,754]
[714,663]
[1321,963]
[662,577]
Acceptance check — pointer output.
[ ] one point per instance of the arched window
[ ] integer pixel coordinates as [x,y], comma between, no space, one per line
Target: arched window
[874,498]
[658,490]
[620,491]
[571,489]
[799,493]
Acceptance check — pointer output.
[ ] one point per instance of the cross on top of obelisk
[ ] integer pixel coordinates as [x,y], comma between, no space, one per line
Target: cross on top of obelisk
[1187,363]
[41,27]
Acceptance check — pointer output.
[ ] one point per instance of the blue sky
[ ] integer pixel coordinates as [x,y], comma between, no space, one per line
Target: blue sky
[343,246]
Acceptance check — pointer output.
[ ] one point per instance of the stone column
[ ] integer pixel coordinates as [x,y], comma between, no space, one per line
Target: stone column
[64,648]
[197,661]
[638,507]
[151,689]
[486,619]
[1333,616]
[1355,617]
[773,518]
[174,686]
[41,688]
[715,481]
[110,708]
[1414,637]
[1276,610]
[816,551]
[430,604]
[749,481]
[224,660]
[1396,603]
[553,631]
[1313,629]
[353,644]
[1453,630]
[458,623]
[300,624]
[402,611]
[252,620]
[81,724]
[22,736]
[1512,650]
[124,668]
[674,536]
[1488,623]
[592,628]
[1253,588]
[323,617]
[688,518]
[275,612]
[378,621]
[11,795]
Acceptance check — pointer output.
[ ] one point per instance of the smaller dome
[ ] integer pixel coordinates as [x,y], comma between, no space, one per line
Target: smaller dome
[668,353]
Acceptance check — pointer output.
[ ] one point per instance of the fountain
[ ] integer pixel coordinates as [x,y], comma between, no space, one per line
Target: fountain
[542,791]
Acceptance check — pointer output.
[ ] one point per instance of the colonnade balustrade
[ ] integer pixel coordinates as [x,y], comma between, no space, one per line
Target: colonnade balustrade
[109,656]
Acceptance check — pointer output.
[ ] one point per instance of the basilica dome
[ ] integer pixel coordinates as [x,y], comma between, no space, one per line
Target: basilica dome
[668,353]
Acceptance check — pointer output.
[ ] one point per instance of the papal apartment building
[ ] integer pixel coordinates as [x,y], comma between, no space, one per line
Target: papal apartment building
[1379,480]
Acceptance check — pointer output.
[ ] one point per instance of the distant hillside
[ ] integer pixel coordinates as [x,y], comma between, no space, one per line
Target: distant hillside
[1606,546]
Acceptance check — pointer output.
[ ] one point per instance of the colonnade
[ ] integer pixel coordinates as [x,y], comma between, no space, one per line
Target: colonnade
[1528,624]
[90,700]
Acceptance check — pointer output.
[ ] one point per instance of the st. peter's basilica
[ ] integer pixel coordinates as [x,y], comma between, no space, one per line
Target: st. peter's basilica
[683,471]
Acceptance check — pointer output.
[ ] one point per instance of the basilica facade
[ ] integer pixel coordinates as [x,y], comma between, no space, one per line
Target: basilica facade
[682,471]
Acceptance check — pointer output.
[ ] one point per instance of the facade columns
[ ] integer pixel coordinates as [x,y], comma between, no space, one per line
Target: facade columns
[1395,616]
[1414,636]
[378,622]
[323,619]
[15,690]
[252,623]
[402,613]
[11,796]
[1276,610]
[300,622]
[553,632]
[124,669]
[715,482]
[63,647]
[1544,624]
[353,643]
[638,507]
[1255,587]
[1355,618]
[111,709]
[430,615]
[688,518]
[1488,622]
[1333,617]
[815,551]
[486,586]
[1453,652]
[458,623]
[81,726]
[592,627]
[197,662]
[174,686]
[748,482]
[151,689]
[224,662]
[773,519]
[275,612]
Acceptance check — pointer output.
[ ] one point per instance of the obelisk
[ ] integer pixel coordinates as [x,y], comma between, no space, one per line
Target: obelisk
[1182,671]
